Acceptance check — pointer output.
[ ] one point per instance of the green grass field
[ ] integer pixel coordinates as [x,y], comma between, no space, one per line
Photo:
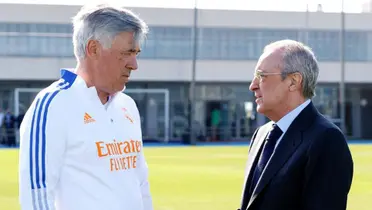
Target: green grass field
[184,178]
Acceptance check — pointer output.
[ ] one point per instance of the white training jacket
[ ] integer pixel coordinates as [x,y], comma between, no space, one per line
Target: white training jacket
[77,154]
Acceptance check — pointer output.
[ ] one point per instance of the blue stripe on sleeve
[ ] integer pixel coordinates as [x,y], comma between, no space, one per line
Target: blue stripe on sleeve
[37,140]
[38,129]
[31,144]
[43,139]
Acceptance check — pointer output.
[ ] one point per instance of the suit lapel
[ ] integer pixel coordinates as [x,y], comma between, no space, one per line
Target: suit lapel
[253,157]
[256,148]
[282,153]
[286,147]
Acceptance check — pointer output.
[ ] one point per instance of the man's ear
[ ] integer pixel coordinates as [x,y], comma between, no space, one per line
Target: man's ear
[92,49]
[296,81]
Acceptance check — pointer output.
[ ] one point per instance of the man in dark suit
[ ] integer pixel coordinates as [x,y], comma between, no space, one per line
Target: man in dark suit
[299,160]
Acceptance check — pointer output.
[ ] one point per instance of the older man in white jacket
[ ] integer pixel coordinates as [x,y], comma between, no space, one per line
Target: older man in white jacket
[81,142]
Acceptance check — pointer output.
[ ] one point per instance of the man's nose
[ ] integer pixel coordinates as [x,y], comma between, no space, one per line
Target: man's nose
[254,84]
[132,64]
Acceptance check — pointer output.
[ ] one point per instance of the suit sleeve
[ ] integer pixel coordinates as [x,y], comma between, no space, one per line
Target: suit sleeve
[143,171]
[42,146]
[329,173]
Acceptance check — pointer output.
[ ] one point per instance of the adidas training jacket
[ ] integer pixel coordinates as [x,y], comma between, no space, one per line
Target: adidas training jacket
[77,154]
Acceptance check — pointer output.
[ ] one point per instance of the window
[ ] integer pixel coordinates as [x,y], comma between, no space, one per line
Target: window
[325,44]
[245,44]
[148,50]
[326,100]
[238,44]
[172,42]
[55,40]
[208,44]
[355,46]
[272,35]
[369,46]
[5,99]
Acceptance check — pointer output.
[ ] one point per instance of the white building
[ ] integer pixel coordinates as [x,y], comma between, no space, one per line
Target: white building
[35,42]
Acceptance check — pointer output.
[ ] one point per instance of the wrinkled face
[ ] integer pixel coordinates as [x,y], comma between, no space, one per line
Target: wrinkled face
[270,90]
[113,66]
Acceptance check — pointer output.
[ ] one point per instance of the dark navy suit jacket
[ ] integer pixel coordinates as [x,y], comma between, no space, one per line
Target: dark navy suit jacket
[310,169]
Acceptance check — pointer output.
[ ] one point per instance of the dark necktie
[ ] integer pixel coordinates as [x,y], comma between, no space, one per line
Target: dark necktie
[267,151]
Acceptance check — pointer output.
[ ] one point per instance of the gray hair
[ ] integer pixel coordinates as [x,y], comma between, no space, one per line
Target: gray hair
[298,57]
[103,23]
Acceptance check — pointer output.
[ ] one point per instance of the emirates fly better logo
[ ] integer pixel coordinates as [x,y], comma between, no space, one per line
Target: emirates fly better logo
[122,154]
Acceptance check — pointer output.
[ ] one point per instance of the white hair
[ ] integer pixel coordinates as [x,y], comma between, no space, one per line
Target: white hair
[298,58]
[103,23]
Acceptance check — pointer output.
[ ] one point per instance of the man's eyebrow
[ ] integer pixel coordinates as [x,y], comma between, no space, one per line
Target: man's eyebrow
[133,50]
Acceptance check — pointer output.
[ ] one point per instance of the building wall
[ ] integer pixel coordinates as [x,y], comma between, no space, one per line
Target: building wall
[175,70]
[207,18]
[35,47]
[235,95]
[36,42]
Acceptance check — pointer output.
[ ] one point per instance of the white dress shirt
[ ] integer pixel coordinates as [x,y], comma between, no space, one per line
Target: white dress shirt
[287,120]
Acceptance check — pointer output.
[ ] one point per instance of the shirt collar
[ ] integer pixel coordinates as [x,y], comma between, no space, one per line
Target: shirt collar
[287,120]
[68,75]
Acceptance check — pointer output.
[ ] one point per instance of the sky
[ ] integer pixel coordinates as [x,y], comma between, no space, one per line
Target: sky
[276,5]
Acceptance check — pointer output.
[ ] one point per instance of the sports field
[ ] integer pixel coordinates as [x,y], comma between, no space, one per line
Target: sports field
[197,178]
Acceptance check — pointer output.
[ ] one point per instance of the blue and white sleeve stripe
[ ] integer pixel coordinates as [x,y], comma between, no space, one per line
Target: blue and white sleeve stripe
[38,149]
